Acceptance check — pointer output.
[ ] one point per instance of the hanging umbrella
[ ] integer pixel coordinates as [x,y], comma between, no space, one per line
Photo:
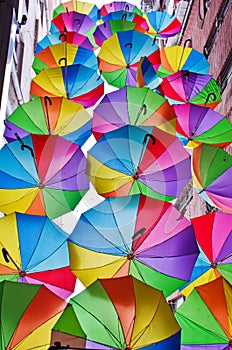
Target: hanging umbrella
[133,160]
[214,233]
[28,312]
[212,172]
[126,16]
[64,54]
[132,106]
[120,313]
[79,6]
[162,24]
[146,74]
[187,87]
[35,250]
[49,115]
[197,124]
[42,175]
[205,317]
[120,54]
[115,6]
[77,83]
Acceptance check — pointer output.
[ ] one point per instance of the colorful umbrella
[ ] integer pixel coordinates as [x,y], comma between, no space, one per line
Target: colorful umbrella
[79,6]
[214,234]
[212,173]
[184,87]
[43,175]
[77,83]
[146,74]
[115,6]
[162,24]
[197,124]
[28,312]
[49,115]
[126,16]
[205,317]
[120,313]
[133,160]
[132,106]
[120,54]
[35,250]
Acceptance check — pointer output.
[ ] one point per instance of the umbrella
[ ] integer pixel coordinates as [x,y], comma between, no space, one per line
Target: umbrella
[212,172]
[205,317]
[162,24]
[184,87]
[120,313]
[49,115]
[77,83]
[35,250]
[197,124]
[43,175]
[138,236]
[126,16]
[64,54]
[133,160]
[28,312]
[115,6]
[119,56]
[146,74]
[132,106]
[79,6]
[214,234]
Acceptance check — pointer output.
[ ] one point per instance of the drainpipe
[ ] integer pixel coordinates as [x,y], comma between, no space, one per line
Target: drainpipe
[48,20]
[190,5]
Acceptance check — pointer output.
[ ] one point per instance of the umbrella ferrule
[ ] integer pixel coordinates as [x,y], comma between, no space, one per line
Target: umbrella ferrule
[130,256]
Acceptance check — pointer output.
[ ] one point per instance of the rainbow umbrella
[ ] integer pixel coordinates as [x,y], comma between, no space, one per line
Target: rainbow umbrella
[134,160]
[162,24]
[116,6]
[126,16]
[42,175]
[212,172]
[35,250]
[132,106]
[120,313]
[49,116]
[79,6]
[146,74]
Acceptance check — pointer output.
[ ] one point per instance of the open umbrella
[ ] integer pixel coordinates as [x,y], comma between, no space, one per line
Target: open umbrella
[205,317]
[42,175]
[79,6]
[133,160]
[120,313]
[132,106]
[49,115]
[212,172]
[119,56]
[146,74]
[77,83]
[116,6]
[28,312]
[162,24]
[35,250]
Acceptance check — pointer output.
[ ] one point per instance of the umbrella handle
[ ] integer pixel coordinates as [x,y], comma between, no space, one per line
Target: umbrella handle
[8,258]
[66,8]
[124,16]
[7,126]
[186,41]
[63,36]
[126,7]
[63,59]
[151,136]
[46,100]
[77,20]
[23,146]
[208,97]
[98,78]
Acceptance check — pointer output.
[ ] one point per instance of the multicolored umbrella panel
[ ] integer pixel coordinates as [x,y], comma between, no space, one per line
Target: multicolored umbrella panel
[162,24]
[35,250]
[116,6]
[146,75]
[43,175]
[120,313]
[79,6]
[128,16]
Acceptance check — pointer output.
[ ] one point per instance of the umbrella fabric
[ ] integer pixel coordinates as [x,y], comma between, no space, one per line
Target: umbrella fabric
[28,312]
[146,74]
[198,124]
[132,106]
[64,54]
[79,6]
[77,83]
[35,250]
[120,313]
[119,56]
[138,236]
[116,6]
[205,317]
[212,172]
[187,87]
[43,175]
[162,24]
[126,16]
[133,160]
[49,115]
[214,234]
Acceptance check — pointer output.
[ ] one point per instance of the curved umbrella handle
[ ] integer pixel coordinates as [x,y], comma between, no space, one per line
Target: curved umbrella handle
[23,146]
[144,108]
[124,16]
[208,97]
[63,36]
[63,59]
[127,8]
[5,255]
[77,20]
[46,101]
[7,126]
[151,136]
[186,41]
[129,44]
[99,77]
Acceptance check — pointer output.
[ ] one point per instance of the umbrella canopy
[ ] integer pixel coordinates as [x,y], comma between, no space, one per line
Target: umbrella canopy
[162,24]
[119,56]
[77,83]
[205,317]
[35,250]
[132,106]
[146,74]
[116,6]
[120,313]
[79,6]
[126,16]
[187,87]
[42,175]
[28,312]
[138,236]
[133,160]
[212,172]
[197,124]
[49,115]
